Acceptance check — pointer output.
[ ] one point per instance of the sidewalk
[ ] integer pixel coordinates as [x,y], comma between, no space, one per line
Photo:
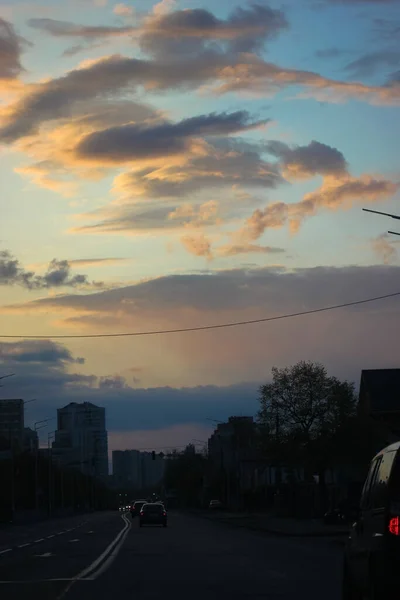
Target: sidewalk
[278,525]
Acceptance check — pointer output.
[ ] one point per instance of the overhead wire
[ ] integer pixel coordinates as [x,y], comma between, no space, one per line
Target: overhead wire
[200,327]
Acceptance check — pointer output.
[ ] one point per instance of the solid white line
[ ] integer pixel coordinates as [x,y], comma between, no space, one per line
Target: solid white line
[95,563]
[4,551]
[24,545]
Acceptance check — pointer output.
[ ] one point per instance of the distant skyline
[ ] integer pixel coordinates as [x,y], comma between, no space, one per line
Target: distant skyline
[185,163]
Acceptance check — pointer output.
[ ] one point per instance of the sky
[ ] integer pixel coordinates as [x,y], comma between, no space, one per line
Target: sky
[188,163]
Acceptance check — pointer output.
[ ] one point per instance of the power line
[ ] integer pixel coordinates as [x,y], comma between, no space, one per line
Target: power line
[202,327]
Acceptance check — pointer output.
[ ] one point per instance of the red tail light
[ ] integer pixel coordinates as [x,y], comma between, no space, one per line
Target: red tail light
[141,512]
[394,525]
[164,514]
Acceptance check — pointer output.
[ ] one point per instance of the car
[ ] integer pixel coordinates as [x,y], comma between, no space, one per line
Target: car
[153,513]
[372,552]
[215,505]
[136,507]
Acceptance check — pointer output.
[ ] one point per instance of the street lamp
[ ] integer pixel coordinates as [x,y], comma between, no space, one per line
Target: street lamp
[377,212]
[49,436]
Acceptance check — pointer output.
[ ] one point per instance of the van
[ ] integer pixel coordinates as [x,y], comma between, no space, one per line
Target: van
[372,554]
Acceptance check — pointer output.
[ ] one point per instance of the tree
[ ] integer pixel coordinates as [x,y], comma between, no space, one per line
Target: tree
[306,416]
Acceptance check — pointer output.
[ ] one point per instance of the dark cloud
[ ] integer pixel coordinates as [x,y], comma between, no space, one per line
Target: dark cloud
[189,32]
[226,72]
[66,29]
[132,141]
[310,160]
[58,274]
[43,372]
[373,62]
[225,290]
[11,48]
[44,352]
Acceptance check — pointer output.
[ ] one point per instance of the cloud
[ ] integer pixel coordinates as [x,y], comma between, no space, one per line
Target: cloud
[33,352]
[247,353]
[66,29]
[303,162]
[190,31]
[133,142]
[96,262]
[11,48]
[163,7]
[373,62]
[384,249]
[123,10]
[334,193]
[198,245]
[58,274]
[234,250]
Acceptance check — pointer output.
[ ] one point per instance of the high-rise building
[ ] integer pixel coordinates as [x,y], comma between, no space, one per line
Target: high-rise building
[12,423]
[127,469]
[137,470]
[152,470]
[81,438]
[31,440]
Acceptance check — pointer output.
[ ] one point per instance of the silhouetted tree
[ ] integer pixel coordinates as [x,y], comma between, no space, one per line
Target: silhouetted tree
[307,417]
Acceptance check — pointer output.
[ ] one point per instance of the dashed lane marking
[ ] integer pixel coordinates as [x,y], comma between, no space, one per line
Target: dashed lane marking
[37,541]
[24,545]
[6,550]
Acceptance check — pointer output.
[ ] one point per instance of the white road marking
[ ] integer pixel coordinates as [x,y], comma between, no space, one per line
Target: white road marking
[90,532]
[107,556]
[7,550]
[50,536]
[71,541]
[60,532]
[37,541]
[45,555]
[24,545]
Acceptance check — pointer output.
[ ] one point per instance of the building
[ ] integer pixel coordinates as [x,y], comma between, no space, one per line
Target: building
[12,423]
[31,440]
[136,470]
[127,469]
[152,470]
[379,406]
[81,438]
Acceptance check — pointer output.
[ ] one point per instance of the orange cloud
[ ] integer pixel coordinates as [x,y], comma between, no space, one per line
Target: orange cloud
[198,245]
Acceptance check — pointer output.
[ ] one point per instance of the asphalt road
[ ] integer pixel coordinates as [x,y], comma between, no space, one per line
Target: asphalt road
[108,557]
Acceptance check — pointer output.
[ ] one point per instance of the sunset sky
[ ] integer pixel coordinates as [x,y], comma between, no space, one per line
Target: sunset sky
[187,163]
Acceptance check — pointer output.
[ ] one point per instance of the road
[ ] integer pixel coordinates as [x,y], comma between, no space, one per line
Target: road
[106,557]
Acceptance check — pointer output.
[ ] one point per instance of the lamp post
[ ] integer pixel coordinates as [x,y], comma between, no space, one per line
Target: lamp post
[49,436]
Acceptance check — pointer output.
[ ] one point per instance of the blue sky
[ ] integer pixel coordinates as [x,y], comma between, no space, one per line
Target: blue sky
[148,150]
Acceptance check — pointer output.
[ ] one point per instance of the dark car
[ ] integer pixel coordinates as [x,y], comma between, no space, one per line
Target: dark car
[215,505]
[136,507]
[372,553]
[153,514]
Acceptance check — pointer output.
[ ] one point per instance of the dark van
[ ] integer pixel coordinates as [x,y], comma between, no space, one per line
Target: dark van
[372,554]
